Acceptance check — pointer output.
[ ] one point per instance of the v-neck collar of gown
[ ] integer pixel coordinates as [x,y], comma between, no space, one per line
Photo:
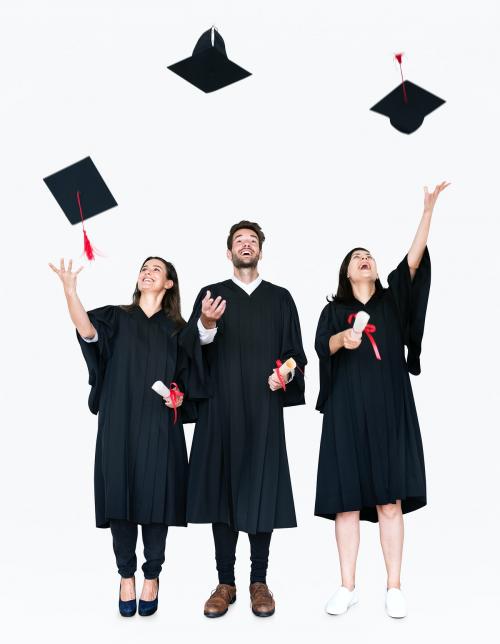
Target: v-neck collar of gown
[374,297]
[248,289]
[143,314]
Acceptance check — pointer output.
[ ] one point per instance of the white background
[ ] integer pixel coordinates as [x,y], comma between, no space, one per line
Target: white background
[296,148]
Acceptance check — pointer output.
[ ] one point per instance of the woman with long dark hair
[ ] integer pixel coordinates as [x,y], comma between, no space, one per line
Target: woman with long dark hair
[371,462]
[140,470]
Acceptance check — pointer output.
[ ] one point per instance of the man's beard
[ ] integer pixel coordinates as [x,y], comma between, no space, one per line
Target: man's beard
[247,262]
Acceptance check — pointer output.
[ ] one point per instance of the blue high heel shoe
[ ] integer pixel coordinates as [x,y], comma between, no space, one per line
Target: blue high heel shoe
[128,608]
[147,608]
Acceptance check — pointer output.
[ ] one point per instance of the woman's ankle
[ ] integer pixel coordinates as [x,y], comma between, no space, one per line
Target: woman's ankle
[350,585]
[393,584]
[127,588]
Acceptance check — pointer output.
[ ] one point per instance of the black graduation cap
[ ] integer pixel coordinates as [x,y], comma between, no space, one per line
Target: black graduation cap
[81,193]
[209,68]
[407,105]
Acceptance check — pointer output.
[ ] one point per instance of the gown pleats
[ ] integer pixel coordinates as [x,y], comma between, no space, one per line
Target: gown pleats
[140,470]
[238,471]
[371,448]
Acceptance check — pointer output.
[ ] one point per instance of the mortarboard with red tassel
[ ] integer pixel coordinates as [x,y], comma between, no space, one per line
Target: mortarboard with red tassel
[408,104]
[81,193]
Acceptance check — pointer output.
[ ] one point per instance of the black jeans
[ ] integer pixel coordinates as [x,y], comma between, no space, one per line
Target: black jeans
[124,543]
[225,539]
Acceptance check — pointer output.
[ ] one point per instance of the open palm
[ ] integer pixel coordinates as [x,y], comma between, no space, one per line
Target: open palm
[67,275]
[430,198]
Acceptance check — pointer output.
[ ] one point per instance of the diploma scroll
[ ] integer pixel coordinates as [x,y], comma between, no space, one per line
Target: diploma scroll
[173,393]
[161,388]
[283,369]
[287,366]
[359,325]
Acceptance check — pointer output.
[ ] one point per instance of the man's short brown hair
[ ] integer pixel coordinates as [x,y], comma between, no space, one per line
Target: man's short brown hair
[251,225]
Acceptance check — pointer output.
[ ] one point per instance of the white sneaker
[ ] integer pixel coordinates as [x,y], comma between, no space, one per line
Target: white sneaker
[395,603]
[341,600]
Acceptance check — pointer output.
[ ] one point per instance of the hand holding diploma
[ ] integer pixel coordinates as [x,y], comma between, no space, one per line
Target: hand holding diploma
[347,341]
[351,338]
[173,397]
[169,403]
[281,375]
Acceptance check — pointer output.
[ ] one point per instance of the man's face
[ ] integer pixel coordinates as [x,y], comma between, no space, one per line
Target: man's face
[245,251]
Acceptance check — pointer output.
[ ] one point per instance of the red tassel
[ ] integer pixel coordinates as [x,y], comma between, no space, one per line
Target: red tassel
[87,246]
[399,58]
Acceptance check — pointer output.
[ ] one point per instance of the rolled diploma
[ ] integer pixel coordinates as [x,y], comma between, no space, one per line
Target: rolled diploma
[161,388]
[287,366]
[359,325]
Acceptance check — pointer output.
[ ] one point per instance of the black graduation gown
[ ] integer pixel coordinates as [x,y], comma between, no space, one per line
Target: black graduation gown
[371,449]
[238,469]
[140,470]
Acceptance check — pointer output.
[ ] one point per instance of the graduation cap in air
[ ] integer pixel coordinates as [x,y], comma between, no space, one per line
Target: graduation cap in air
[209,68]
[81,192]
[407,105]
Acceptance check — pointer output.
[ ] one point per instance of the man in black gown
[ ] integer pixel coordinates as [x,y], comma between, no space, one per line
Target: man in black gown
[239,478]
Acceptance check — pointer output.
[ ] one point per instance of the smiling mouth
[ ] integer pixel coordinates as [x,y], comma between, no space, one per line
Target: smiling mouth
[246,253]
[147,280]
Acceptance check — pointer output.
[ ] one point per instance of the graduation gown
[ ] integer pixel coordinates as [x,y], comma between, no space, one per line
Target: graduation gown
[371,449]
[140,470]
[238,469]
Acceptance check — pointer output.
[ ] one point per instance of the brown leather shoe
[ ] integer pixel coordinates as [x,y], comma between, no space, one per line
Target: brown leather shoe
[262,600]
[219,601]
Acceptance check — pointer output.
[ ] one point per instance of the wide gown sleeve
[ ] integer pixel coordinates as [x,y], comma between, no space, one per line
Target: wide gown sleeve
[292,348]
[97,354]
[325,329]
[189,343]
[188,380]
[411,297]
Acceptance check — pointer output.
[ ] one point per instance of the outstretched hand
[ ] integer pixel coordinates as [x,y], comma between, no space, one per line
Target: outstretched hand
[211,310]
[67,275]
[430,198]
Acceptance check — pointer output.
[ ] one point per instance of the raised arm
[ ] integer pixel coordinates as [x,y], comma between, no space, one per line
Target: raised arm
[417,248]
[76,310]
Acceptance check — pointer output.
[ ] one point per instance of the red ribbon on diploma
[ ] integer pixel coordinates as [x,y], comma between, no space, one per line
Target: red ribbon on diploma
[278,373]
[175,395]
[369,329]
[280,377]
